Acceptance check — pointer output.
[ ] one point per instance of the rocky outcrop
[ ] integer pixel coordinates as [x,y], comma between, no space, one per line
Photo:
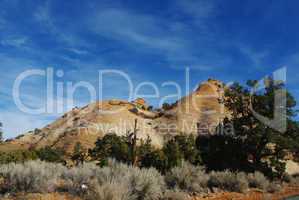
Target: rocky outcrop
[196,113]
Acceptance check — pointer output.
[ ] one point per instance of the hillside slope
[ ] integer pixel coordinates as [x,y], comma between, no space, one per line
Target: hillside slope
[197,113]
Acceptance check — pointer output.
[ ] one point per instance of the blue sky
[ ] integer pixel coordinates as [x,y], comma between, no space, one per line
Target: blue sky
[149,40]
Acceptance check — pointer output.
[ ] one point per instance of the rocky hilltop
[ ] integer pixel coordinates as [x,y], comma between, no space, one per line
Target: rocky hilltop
[197,113]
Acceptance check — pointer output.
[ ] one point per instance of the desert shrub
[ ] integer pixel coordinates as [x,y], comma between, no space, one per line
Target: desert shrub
[109,191]
[147,184]
[287,178]
[115,172]
[175,195]
[273,187]
[18,156]
[76,177]
[295,180]
[187,178]
[142,183]
[33,176]
[258,180]
[49,154]
[228,181]
[116,181]
[241,183]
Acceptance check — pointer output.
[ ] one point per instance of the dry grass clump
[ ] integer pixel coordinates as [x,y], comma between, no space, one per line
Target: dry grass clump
[32,176]
[228,181]
[273,187]
[147,184]
[294,180]
[258,180]
[122,182]
[188,178]
[117,181]
[75,179]
[109,191]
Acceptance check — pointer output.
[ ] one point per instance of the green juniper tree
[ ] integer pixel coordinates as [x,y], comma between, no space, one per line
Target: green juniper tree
[110,146]
[49,154]
[173,154]
[149,156]
[188,149]
[265,147]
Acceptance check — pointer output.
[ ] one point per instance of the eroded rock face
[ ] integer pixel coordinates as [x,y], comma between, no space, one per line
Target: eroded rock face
[203,108]
[198,113]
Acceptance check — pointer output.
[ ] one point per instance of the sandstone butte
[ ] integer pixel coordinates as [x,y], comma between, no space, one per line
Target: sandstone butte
[197,113]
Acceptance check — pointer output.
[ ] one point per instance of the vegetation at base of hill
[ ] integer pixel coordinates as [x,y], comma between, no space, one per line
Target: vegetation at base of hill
[17,156]
[120,181]
[20,156]
[49,154]
[174,151]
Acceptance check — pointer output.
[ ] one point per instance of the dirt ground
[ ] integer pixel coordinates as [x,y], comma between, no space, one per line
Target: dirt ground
[253,195]
[52,196]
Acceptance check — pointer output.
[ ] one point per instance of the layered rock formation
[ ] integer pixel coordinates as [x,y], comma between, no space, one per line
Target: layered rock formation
[198,113]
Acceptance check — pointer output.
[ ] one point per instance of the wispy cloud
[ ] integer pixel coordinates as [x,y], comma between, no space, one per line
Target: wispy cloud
[169,39]
[255,57]
[77,51]
[43,15]
[146,30]
[15,41]
[199,10]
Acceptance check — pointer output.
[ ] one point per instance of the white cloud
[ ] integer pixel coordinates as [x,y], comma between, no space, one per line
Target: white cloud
[77,51]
